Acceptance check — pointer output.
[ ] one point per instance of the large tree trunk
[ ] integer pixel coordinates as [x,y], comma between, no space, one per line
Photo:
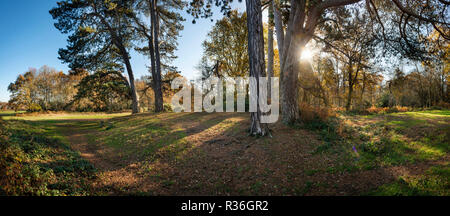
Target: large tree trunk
[257,60]
[290,78]
[294,41]
[159,104]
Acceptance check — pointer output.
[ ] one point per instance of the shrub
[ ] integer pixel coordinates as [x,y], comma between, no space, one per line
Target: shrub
[374,147]
[310,114]
[23,147]
[34,108]
[324,121]
[382,110]
[442,105]
[400,109]
[168,107]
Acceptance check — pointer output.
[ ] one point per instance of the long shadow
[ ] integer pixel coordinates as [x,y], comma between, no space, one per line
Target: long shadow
[161,134]
[233,167]
[221,163]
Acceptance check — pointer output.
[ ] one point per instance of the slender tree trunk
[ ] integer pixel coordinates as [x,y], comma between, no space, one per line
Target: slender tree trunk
[257,62]
[134,95]
[350,88]
[278,28]
[126,59]
[349,98]
[270,53]
[152,63]
[159,104]
[363,89]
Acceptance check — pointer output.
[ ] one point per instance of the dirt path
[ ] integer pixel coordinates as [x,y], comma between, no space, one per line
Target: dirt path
[112,179]
[78,139]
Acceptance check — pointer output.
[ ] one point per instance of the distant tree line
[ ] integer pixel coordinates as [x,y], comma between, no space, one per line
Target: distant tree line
[104,90]
[43,89]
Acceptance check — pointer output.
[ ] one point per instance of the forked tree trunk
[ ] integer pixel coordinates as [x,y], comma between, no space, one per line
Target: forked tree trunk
[302,22]
[294,41]
[257,64]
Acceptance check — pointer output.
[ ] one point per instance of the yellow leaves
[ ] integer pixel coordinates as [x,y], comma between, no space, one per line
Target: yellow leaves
[86,29]
[110,5]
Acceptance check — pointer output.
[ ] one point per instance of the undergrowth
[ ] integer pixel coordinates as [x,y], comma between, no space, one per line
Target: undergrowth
[35,162]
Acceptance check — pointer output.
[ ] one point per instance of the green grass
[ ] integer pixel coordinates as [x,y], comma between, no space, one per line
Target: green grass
[435,182]
[41,161]
[137,136]
[37,160]
[384,140]
[68,116]
[436,112]
[402,138]
[10,113]
[153,136]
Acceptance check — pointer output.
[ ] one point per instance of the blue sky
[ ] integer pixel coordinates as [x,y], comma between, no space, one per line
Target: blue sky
[28,39]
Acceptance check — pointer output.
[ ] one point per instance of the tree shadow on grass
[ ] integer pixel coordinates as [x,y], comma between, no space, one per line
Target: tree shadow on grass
[211,154]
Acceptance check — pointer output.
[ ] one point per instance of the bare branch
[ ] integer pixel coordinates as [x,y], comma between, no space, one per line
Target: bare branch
[405,10]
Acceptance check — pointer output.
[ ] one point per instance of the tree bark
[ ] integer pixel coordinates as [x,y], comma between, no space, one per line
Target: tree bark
[257,60]
[363,89]
[126,59]
[270,53]
[159,104]
[349,98]
[350,87]
[278,28]
[295,40]
[134,95]
[290,79]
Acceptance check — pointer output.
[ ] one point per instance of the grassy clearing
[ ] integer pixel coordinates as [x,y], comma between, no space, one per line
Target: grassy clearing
[401,139]
[211,154]
[395,139]
[59,116]
[152,136]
